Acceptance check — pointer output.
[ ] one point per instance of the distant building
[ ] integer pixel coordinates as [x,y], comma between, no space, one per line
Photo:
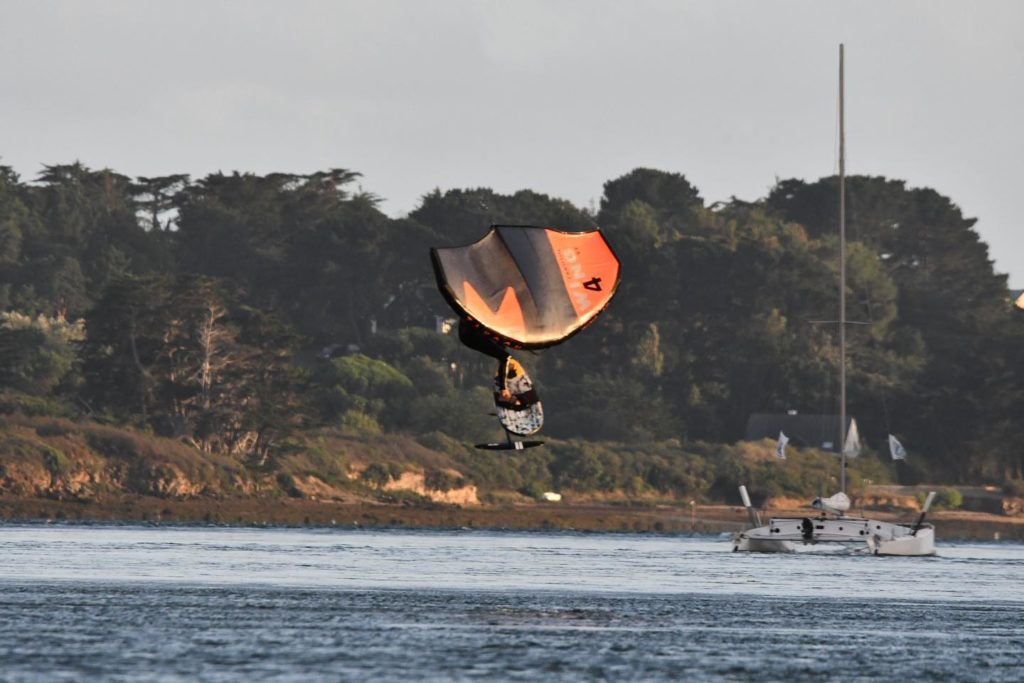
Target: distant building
[444,325]
[804,431]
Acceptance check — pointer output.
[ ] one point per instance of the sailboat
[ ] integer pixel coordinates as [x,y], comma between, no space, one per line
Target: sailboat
[831,524]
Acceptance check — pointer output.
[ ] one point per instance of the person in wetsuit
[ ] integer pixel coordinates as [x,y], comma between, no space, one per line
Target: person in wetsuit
[508,370]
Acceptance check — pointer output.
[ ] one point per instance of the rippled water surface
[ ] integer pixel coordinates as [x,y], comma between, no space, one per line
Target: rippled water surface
[164,603]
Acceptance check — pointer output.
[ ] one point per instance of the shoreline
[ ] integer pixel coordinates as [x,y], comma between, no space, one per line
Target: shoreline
[594,517]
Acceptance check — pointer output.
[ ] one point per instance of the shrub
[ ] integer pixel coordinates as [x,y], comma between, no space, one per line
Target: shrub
[376,475]
[409,499]
[949,498]
[945,499]
[38,352]
[114,444]
[55,428]
[441,480]
[287,484]
[359,423]
[32,406]
[532,489]
[1014,487]
[55,461]
[395,470]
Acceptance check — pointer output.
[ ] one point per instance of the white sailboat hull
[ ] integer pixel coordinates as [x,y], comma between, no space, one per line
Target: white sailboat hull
[746,543]
[921,544]
[783,535]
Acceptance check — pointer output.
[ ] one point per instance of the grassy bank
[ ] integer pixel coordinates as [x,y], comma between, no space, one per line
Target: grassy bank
[57,467]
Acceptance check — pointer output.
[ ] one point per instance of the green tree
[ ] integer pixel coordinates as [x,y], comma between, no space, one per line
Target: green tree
[123,338]
[85,235]
[157,197]
[36,354]
[187,359]
[366,385]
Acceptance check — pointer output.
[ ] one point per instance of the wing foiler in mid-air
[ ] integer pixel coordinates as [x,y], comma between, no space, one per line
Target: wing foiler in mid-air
[524,287]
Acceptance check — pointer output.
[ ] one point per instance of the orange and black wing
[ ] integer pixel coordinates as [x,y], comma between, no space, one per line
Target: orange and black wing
[529,287]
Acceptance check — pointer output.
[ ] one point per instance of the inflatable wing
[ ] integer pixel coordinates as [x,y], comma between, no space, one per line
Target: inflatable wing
[529,287]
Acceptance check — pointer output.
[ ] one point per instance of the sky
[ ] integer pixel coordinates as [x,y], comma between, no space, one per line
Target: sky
[557,96]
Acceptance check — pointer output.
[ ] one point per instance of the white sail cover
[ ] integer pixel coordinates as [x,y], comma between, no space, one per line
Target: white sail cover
[852,446]
[840,502]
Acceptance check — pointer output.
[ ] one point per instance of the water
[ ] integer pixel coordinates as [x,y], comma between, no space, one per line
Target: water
[162,603]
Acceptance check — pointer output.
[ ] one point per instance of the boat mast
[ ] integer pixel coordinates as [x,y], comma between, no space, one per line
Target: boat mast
[842,277]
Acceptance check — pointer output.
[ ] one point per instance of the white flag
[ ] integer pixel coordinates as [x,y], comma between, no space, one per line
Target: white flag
[780,447]
[897,449]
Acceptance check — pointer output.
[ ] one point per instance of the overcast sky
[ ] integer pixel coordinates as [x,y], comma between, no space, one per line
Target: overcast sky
[557,96]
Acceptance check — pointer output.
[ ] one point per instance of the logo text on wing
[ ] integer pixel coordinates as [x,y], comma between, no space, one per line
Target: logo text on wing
[577,280]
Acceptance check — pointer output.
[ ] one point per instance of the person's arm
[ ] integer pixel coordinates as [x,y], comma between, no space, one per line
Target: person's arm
[501,377]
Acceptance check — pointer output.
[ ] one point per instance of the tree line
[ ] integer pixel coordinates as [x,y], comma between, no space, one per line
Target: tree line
[238,311]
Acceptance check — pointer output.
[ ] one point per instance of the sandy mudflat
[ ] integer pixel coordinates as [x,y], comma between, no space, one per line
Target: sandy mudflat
[542,516]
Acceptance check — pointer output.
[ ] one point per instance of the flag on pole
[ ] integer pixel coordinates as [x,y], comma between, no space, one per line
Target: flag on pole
[780,447]
[897,449]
